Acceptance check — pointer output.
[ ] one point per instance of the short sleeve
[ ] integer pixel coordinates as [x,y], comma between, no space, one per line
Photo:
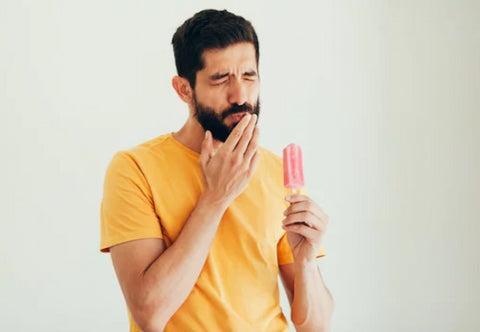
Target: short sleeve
[127,210]
[284,252]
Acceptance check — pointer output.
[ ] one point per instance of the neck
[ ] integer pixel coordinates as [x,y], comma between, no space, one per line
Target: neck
[192,135]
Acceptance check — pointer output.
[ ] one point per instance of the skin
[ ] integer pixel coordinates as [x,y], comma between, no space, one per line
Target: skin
[238,88]
[311,302]
[156,279]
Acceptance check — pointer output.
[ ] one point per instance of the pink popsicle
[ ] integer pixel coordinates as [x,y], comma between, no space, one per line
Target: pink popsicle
[293,168]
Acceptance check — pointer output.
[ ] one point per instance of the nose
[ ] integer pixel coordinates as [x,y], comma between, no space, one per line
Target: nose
[237,93]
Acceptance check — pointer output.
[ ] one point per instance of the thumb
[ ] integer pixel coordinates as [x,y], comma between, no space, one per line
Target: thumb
[207,148]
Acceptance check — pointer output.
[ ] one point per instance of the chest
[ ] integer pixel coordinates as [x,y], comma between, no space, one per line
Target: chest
[252,219]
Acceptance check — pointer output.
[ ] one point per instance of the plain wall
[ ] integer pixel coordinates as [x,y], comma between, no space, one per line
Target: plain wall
[383,96]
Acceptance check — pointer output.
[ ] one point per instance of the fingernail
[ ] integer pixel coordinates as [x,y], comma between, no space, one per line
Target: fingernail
[289,197]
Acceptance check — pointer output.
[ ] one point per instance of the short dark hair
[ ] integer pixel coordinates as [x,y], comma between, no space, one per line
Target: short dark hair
[208,29]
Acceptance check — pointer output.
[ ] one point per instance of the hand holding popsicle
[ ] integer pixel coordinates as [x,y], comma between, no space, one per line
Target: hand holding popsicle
[305,221]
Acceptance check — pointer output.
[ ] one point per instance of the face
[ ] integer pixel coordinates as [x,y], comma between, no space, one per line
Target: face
[226,88]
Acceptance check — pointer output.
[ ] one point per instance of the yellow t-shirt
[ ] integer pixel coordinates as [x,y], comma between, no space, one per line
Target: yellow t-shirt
[150,191]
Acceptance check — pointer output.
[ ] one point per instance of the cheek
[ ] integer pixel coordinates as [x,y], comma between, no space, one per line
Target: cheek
[215,98]
[254,91]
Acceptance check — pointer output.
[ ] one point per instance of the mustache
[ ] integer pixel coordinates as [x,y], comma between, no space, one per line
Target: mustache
[237,109]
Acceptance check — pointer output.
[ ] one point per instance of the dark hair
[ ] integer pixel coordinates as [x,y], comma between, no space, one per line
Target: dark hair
[205,30]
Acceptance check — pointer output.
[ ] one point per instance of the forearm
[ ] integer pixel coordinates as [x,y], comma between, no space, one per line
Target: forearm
[312,305]
[169,280]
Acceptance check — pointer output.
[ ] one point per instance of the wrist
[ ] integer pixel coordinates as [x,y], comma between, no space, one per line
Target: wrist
[208,201]
[305,265]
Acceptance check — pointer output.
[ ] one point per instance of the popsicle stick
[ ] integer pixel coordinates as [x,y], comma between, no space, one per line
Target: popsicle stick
[293,191]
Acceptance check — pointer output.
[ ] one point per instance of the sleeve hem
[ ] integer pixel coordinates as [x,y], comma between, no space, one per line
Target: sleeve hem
[105,246]
[290,260]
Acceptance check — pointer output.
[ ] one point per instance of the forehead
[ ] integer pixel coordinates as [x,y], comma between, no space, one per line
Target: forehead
[234,57]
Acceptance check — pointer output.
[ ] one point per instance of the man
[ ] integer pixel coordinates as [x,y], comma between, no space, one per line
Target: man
[196,221]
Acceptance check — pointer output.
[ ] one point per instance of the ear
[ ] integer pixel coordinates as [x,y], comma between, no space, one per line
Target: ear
[183,88]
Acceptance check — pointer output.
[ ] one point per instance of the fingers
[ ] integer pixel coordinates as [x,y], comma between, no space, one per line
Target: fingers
[207,149]
[297,198]
[305,205]
[252,145]
[311,234]
[253,164]
[306,217]
[236,133]
[304,210]
[246,136]
[300,217]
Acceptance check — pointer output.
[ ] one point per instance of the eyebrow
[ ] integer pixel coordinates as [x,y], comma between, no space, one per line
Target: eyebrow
[218,76]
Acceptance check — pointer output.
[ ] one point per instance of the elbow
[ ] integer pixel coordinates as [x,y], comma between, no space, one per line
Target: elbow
[149,325]
[151,311]
[149,318]
[296,320]
[312,328]
[308,324]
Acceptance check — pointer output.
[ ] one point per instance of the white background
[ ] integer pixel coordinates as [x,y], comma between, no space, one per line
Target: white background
[383,96]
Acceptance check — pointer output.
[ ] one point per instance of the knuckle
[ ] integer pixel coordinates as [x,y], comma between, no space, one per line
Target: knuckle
[255,136]
[235,160]
[308,205]
[222,155]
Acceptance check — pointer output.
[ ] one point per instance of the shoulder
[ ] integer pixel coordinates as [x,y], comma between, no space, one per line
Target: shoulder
[140,153]
[153,146]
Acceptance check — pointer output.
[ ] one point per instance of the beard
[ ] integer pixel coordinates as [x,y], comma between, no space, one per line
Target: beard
[213,121]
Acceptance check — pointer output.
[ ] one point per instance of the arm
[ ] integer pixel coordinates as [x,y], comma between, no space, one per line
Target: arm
[156,281]
[311,302]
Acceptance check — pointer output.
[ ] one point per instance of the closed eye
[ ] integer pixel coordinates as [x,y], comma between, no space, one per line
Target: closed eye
[220,83]
[252,75]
